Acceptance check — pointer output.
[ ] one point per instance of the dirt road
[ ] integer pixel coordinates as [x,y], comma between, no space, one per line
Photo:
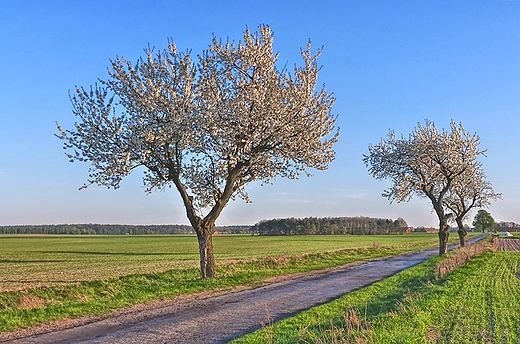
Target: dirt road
[222,318]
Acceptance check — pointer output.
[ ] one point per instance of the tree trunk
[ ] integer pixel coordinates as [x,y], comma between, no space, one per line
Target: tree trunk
[207,257]
[443,239]
[462,233]
[443,242]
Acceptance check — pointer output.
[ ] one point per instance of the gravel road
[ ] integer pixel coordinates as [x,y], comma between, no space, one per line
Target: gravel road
[222,318]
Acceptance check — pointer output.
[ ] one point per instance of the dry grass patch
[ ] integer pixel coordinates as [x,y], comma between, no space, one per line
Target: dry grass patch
[276,262]
[30,301]
[352,328]
[459,257]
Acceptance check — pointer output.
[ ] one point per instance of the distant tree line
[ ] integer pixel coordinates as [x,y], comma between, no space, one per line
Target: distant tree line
[503,226]
[329,226]
[92,228]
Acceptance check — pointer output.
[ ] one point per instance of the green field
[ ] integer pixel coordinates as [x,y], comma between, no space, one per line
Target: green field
[29,261]
[45,278]
[477,303]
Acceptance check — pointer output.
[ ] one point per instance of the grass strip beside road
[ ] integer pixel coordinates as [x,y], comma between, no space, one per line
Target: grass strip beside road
[237,266]
[477,303]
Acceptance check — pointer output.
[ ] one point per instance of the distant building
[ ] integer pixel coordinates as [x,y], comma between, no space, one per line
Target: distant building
[425,230]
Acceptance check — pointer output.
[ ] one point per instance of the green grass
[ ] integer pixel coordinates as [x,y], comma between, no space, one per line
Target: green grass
[29,261]
[478,303]
[45,278]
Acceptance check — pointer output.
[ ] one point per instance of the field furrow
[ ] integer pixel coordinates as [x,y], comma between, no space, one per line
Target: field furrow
[483,308]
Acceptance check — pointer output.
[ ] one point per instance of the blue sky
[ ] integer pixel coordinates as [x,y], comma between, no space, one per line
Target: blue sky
[390,64]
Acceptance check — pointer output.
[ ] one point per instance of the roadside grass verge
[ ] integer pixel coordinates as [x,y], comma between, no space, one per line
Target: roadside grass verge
[476,303]
[25,307]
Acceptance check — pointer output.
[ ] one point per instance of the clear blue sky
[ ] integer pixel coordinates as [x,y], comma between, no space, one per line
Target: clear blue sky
[390,64]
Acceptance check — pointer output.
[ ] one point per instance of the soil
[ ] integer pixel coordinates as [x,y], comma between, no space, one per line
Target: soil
[212,318]
[507,244]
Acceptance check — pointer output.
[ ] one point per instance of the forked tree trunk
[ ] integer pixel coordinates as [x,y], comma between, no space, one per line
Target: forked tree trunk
[207,256]
[204,226]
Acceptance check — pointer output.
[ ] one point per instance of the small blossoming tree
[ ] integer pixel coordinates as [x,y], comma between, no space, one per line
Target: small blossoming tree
[473,190]
[440,166]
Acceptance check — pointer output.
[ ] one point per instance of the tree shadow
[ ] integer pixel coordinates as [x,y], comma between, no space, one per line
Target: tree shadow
[12,261]
[103,253]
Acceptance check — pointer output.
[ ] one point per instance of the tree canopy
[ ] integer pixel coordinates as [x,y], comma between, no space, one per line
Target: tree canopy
[207,126]
[483,220]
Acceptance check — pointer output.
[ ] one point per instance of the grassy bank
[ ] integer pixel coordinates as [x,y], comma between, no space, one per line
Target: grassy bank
[49,278]
[478,303]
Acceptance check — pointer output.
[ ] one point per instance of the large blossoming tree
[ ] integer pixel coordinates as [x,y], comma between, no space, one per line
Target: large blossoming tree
[439,165]
[207,127]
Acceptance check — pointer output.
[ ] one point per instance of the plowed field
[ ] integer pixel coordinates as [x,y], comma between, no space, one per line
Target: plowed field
[504,244]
